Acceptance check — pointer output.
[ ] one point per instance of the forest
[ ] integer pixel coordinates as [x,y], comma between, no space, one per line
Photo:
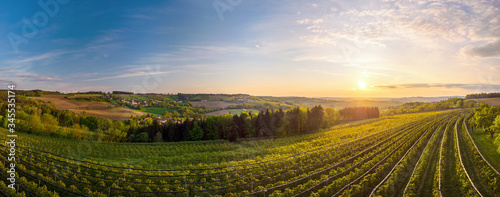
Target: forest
[483,95]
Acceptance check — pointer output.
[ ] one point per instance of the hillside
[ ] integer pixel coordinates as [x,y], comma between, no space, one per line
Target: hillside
[98,109]
[490,101]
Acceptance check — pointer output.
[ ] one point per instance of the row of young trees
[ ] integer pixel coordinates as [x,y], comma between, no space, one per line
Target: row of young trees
[487,118]
[246,125]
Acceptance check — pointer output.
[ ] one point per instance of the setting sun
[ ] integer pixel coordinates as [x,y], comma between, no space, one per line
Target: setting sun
[362,85]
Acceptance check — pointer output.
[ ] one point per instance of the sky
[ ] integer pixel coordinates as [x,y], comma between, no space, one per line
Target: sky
[261,47]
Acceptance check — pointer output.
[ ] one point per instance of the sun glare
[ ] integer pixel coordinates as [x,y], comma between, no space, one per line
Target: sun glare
[362,85]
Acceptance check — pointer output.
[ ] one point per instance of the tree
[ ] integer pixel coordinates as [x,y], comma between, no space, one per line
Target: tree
[211,128]
[196,133]
[158,137]
[4,121]
[496,126]
[166,114]
[331,116]
[142,137]
[482,116]
[175,114]
[91,122]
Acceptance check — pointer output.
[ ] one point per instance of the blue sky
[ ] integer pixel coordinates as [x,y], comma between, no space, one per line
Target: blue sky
[273,47]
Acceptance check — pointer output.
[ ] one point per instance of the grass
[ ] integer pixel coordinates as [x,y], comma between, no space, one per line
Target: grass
[84,95]
[487,147]
[239,111]
[155,110]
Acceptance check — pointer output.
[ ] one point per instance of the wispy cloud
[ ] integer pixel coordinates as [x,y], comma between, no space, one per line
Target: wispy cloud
[129,74]
[5,69]
[441,85]
[6,81]
[45,56]
[36,77]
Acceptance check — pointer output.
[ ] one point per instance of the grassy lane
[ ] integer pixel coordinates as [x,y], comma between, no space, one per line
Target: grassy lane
[467,159]
[485,145]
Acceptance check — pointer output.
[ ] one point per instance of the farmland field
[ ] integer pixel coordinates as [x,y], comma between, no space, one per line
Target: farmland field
[219,112]
[155,110]
[490,101]
[211,104]
[420,154]
[91,108]
[84,95]
[114,114]
[64,104]
[239,111]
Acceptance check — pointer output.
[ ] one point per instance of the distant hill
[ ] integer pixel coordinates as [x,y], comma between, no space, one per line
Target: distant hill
[490,101]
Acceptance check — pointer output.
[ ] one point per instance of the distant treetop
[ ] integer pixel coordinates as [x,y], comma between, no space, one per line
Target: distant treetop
[483,95]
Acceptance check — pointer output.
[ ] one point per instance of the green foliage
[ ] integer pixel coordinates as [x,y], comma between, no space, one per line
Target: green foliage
[142,137]
[450,103]
[158,137]
[483,95]
[495,126]
[196,133]
[91,99]
[484,117]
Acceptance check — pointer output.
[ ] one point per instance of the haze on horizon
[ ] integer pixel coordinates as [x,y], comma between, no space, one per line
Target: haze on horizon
[274,47]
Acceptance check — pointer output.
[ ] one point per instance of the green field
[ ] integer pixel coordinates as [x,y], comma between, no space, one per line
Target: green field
[84,95]
[487,147]
[154,110]
[239,111]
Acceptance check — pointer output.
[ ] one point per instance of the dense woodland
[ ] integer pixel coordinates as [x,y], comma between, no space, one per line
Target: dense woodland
[231,127]
[483,95]
[264,124]
[359,113]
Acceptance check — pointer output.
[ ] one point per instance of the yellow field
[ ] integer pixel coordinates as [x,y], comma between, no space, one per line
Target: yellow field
[114,114]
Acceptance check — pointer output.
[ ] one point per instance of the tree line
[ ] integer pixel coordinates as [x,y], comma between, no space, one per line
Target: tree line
[450,103]
[483,95]
[267,123]
[359,113]
[487,118]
